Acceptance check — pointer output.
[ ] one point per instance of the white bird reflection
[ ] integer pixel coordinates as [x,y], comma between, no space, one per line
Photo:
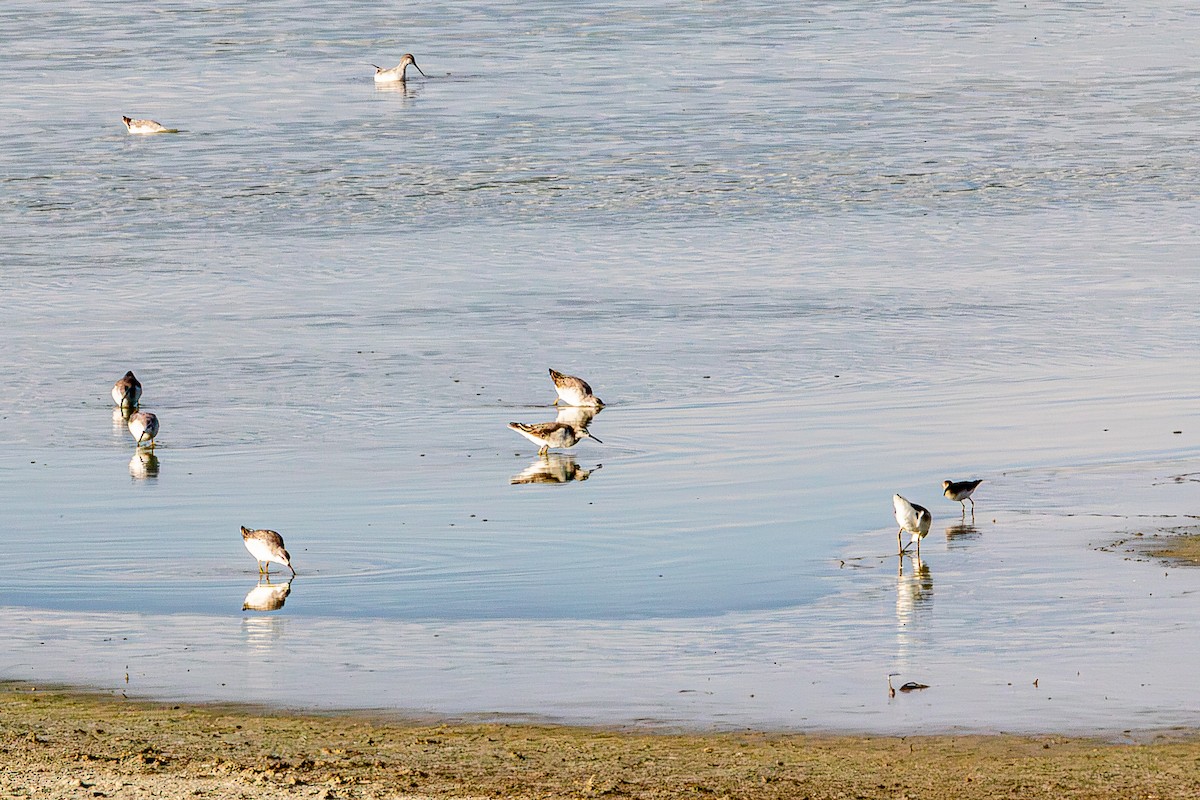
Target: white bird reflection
[264,634]
[960,534]
[914,597]
[577,416]
[267,596]
[120,419]
[143,465]
[553,468]
[405,89]
[914,591]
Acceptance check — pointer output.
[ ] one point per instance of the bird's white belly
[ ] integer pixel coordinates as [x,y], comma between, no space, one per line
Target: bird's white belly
[531,437]
[261,551]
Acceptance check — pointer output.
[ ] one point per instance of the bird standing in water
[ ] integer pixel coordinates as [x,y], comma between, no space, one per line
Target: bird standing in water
[266,546]
[961,490]
[146,126]
[127,392]
[144,427]
[396,73]
[574,391]
[552,434]
[912,518]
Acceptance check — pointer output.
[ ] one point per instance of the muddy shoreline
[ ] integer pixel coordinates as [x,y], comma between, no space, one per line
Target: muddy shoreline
[66,744]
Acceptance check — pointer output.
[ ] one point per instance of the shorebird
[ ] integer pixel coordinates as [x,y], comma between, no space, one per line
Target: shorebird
[396,73]
[574,391]
[961,490]
[552,434]
[144,427]
[266,546]
[146,126]
[912,518]
[127,392]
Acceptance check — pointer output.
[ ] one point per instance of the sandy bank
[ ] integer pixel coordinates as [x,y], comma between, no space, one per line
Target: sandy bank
[61,744]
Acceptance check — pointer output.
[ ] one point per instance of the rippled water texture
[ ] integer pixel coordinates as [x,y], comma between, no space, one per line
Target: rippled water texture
[809,255]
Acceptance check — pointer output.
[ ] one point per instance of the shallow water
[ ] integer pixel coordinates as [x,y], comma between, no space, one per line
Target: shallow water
[809,259]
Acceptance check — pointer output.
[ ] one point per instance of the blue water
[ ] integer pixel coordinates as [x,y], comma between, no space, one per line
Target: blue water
[810,256]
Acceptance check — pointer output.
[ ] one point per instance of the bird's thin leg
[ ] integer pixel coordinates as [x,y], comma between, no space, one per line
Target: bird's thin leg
[545,449]
[972,499]
[918,548]
[899,541]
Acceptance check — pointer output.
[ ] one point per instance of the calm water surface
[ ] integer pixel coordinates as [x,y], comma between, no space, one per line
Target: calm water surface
[809,255]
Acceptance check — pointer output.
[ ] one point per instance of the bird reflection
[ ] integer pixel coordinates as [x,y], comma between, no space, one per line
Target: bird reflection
[958,534]
[263,635]
[914,590]
[267,596]
[144,464]
[405,89]
[120,418]
[577,416]
[553,468]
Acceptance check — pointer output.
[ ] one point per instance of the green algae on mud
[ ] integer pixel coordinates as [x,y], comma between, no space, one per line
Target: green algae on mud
[1181,548]
[65,744]
[1178,546]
